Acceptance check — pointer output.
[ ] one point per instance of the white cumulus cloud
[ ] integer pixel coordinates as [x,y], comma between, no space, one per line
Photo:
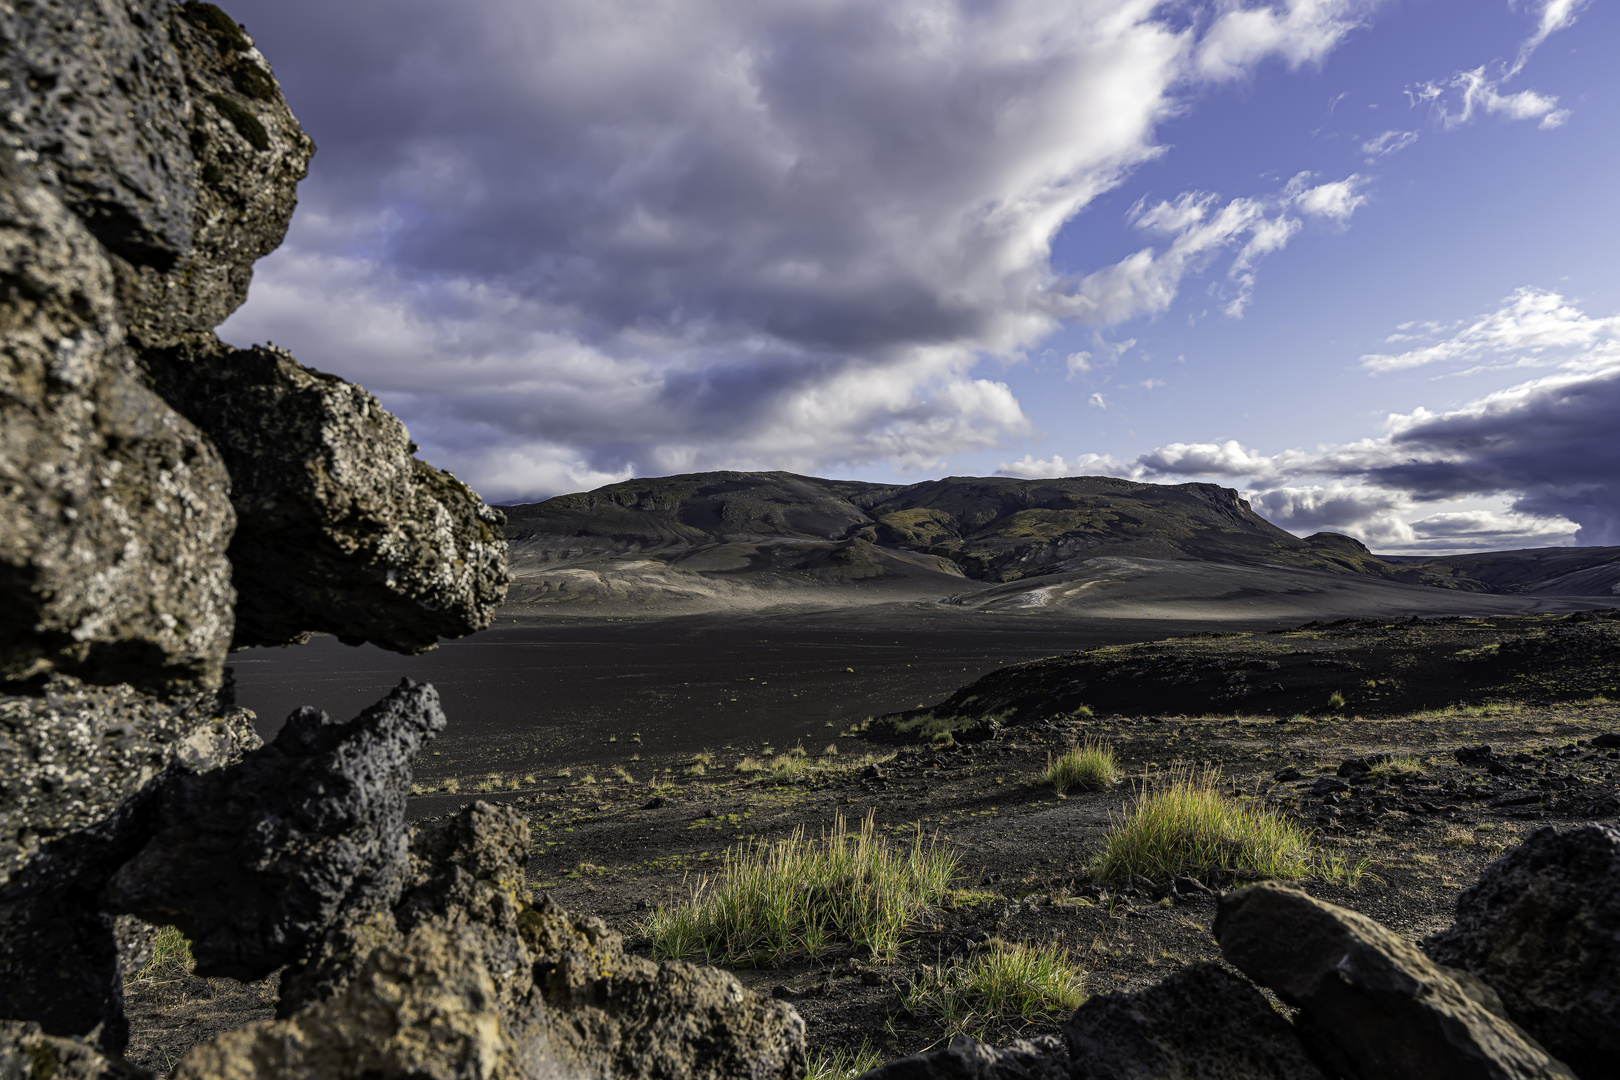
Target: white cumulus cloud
[716,235]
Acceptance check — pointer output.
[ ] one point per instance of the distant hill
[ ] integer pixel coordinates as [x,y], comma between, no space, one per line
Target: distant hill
[732,537]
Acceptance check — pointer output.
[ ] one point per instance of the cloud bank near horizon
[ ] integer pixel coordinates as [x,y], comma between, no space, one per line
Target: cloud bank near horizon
[1546,445]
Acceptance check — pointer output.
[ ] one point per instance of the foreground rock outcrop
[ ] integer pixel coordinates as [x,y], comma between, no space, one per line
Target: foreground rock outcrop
[464,977]
[340,530]
[1542,927]
[251,862]
[1372,1005]
[147,158]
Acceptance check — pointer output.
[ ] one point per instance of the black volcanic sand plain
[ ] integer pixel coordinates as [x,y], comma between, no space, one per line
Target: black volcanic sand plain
[635,825]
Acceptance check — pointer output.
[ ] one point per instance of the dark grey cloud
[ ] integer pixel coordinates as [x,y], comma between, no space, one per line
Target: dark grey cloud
[570,239]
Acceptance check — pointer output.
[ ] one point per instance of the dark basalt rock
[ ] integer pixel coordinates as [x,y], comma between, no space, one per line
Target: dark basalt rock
[253,861]
[340,529]
[96,98]
[114,513]
[464,977]
[967,1059]
[1201,1021]
[80,766]
[27,1053]
[250,155]
[1372,1006]
[1542,927]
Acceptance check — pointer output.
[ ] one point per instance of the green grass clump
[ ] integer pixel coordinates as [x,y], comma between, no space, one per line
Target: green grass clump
[1183,823]
[1336,701]
[998,984]
[843,1064]
[170,959]
[1397,765]
[1091,765]
[774,901]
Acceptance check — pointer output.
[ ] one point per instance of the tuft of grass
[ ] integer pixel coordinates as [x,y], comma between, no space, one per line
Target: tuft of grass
[1091,765]
[586,779]
[705,758]
[451,786]
[695,770]
[1337,867]
[620,773]
[843,1064]
[998,984]
[564,774]
[773,901]
[170,960]
[747,766]
[1397,765]
[1336,701]
[1184,824]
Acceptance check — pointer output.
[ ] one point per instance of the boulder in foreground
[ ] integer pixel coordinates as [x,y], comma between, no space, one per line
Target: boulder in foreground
[1373,1007]
[1542,927]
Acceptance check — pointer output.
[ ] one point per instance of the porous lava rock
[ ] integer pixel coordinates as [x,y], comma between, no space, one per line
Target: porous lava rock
[465,977]
[1541,926]
[27,1053]
[253,861]
[114,510]
[249,154]
[80,767]
[965,1058]
[1201,1021]
[96,99]
[341,529]
[1373,1007]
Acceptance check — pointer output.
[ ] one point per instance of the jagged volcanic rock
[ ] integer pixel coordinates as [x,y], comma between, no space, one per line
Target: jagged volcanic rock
[114,513]
[464,977]
[253,861]
[79,769]
[250,153]
[340,529]
[1542,927]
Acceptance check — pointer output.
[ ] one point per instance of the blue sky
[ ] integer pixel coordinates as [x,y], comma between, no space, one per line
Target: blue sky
[1352,258]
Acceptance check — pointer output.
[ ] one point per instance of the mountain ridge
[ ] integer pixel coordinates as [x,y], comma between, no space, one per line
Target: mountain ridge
[711,538]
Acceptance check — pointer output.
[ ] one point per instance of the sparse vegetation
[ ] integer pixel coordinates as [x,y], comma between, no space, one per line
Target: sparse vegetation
[1397,765]
[1183,824]
[1091,765]
[843,1064]
[800,896]
[170,958]
[1336,701]
[998,983]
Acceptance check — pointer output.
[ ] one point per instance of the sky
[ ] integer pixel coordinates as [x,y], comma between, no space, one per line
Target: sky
[1354,258]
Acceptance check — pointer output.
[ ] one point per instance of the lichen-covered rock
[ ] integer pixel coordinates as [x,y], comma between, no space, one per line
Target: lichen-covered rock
[965,1058]
[424,1008]
[250,155]
[94,95]
[114,512]
[1542,928]
[340,529]
[1372,1007]
[27,1053]
[79,769]
[1201,1021]
[253,861]
[570,1000]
